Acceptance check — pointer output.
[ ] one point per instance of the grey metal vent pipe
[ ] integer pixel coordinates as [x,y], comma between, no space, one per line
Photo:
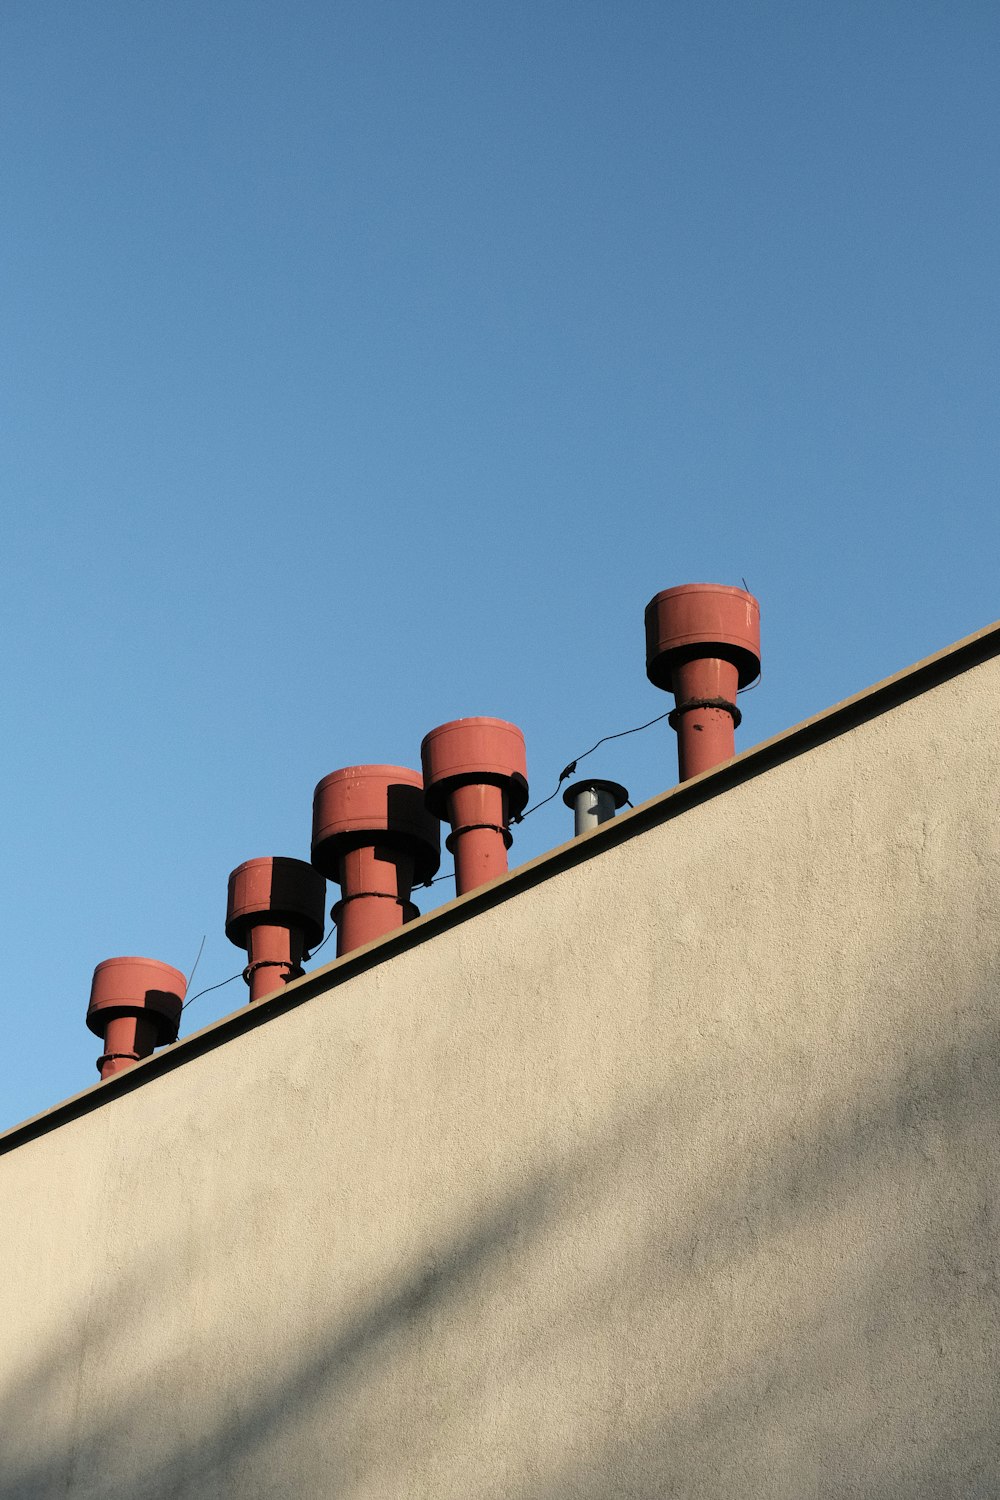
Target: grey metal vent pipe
[593,802]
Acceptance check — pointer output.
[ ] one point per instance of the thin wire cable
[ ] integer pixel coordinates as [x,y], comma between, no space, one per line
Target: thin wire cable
[567,771]
[197,961]
[239,975]
[209,988]
[323,943]
[448,875]
[750,685]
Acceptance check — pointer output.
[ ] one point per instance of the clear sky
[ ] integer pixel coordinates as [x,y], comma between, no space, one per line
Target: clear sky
[371,364]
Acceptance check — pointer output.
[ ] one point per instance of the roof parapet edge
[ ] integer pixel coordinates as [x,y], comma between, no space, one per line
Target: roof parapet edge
[868,704]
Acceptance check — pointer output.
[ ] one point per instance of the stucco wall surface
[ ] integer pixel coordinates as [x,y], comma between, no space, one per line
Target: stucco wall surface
[675,1175]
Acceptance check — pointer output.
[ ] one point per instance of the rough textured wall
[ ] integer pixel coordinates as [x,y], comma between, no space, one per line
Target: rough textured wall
[675,1175]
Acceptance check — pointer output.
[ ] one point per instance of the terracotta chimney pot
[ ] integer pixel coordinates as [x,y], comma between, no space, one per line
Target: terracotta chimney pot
[476,779]
[275,911]
[135,1005]
[373,835]
[703,645]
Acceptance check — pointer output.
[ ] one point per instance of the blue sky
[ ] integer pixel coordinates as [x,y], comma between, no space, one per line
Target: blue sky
[369,365]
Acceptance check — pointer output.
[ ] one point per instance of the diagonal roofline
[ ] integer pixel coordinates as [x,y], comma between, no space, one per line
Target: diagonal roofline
[868,704]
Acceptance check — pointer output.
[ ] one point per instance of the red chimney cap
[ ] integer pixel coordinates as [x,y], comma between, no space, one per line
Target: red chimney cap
[128,986]
[286,892]
[360,805]
[697,620]
[466,751]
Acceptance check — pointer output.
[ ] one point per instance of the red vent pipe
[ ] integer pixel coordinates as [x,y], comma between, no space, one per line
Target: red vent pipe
[276,912]
[135,1005]
[477,779]
[373,835]
[703,644]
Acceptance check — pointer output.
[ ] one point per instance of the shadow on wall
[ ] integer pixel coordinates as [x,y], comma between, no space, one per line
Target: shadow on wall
[817,1316]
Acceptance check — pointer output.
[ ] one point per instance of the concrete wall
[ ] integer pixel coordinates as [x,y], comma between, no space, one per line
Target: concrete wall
[673,1175]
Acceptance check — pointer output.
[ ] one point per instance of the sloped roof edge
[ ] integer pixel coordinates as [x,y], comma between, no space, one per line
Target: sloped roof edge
[909,683]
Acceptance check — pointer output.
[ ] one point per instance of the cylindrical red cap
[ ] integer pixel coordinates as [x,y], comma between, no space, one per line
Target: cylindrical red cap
[466,751]
[702,620]
[127,986]
[361,805]
[286,892]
